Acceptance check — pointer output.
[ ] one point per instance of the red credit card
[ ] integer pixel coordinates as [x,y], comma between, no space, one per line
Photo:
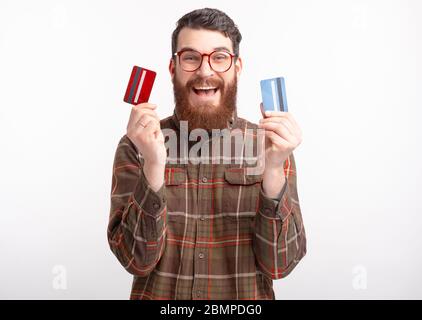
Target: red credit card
[139,86]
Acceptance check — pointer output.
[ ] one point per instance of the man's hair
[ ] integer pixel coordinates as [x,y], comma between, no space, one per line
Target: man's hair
[210,19]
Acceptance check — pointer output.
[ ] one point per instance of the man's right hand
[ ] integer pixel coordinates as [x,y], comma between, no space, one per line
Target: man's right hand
[144,131]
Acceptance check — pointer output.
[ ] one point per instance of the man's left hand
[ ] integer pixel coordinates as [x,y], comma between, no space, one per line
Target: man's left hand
[282,135]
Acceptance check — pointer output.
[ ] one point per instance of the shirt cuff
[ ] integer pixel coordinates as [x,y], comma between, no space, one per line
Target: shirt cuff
[149,201]
[270,207]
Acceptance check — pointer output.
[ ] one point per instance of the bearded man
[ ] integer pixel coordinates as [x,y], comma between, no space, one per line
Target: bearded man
[208,229]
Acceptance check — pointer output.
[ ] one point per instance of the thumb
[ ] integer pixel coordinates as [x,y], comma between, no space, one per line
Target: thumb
[261,106]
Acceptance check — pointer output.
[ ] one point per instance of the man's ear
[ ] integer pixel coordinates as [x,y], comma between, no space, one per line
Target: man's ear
[171,68]
[238,66]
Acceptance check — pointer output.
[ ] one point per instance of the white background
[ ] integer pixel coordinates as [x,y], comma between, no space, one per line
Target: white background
[353,79]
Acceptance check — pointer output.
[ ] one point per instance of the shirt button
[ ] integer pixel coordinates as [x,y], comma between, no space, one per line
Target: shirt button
[204,179]
[201,255]
[155,205]
[202,218]
[198,293]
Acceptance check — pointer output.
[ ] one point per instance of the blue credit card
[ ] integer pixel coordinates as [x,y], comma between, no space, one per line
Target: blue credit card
[274,94]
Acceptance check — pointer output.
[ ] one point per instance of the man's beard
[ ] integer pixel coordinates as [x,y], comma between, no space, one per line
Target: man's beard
[205,115]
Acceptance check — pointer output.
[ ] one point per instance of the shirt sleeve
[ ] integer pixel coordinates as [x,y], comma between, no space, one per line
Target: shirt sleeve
[137,221]
[279,241]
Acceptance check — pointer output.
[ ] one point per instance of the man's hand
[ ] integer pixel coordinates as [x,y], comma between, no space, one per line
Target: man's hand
[282,136]
[144,131]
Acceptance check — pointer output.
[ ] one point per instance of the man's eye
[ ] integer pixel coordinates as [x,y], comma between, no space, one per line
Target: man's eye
[220,57]
[190,57]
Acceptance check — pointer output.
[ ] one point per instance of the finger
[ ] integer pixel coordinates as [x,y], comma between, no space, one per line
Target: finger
[273,119]
[159,135]
[142,131]
[138,115]
[295,125]
[284,122]
[150,113]
[279,120]
[286,115]
[151,128]
[279,129]
[261,106]
[279,114]
[275,113]
[265,114]
[146,105]
[290,121]
[277,140]
[145,119]
[135,112]
[293,121]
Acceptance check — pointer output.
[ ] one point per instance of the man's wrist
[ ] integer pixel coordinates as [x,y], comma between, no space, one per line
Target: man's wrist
[273,181]
[154,173]
[275,172]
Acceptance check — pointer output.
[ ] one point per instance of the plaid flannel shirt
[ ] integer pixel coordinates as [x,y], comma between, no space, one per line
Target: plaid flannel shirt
[209,232]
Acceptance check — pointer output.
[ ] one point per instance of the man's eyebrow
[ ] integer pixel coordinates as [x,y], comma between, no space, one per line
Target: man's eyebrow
[215,49]
[222,49]
[187,48]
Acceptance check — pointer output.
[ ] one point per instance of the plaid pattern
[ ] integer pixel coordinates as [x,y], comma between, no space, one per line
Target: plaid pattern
[208,233]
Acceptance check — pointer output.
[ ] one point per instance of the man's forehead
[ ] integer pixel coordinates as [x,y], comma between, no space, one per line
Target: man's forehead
[203,40]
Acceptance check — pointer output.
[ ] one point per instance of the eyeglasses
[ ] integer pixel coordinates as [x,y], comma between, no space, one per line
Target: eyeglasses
[191,60]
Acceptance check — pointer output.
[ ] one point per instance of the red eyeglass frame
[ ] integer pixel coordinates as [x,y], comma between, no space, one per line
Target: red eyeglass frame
[178,53]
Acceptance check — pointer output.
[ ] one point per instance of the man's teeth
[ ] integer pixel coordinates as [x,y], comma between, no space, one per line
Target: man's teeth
[205,91]
[205,88]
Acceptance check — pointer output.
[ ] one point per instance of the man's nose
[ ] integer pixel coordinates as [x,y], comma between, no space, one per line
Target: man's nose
[205,70]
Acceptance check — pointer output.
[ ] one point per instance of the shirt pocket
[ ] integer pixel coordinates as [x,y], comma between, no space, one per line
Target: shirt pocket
[176,183]
[240,196]
[240,176]
[174,176]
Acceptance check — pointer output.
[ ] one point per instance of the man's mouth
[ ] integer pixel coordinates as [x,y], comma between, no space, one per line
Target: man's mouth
[205,91]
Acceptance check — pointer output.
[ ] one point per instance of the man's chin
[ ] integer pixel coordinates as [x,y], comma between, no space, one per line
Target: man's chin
[206,107]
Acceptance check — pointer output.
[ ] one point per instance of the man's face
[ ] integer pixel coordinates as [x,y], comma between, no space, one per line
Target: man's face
[206,109]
